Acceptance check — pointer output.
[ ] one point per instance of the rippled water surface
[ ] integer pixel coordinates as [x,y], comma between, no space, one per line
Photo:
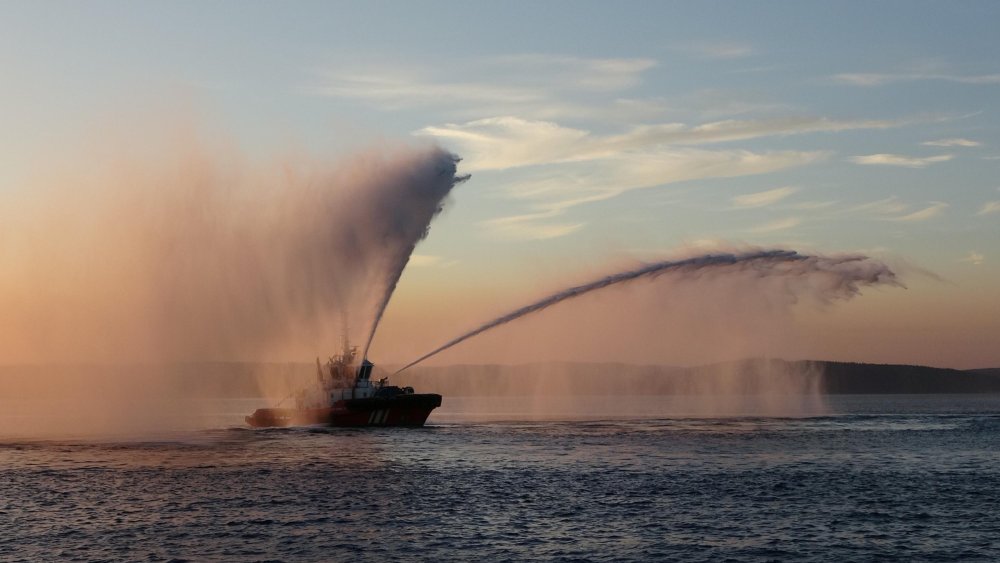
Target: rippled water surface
[875,478]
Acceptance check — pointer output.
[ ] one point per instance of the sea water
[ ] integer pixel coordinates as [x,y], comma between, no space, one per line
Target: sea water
[907,478]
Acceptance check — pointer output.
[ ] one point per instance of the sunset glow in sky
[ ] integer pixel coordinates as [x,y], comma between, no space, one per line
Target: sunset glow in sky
[597,135]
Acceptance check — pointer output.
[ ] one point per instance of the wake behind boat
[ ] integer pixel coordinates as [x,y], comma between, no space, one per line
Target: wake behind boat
[346,396]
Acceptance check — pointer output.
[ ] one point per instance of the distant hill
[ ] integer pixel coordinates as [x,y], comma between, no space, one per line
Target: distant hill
[236,379]
[844,378]
[987,371]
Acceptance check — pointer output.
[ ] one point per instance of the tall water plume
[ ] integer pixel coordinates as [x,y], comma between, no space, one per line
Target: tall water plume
[403,219]
[179,249]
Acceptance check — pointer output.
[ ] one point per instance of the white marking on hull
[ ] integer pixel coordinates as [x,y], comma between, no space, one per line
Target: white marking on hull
[377,417]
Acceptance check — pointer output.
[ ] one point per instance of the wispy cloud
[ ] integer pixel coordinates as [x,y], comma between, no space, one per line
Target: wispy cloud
[900,160]
[738,130]
[989,208]
[974,258]
[509,142]
[760,199]
[559,167]
[887,206]
[879,79]
[540,85]
[955,142]
[553,190]
[569,167]
[596,180]
[407,89]
[894,209]
[599,74]
[527,227]
[779,225]
[932,210]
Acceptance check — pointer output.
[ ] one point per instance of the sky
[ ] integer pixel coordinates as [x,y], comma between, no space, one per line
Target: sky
[596,135]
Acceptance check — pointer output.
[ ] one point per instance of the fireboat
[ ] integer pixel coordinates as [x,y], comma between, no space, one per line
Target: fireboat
[345,396]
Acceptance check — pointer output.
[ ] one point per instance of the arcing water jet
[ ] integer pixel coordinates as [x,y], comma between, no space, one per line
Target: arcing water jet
[844,275]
